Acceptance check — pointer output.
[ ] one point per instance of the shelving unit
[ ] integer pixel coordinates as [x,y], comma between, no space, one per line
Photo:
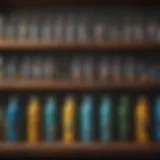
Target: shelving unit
[29,45]
[50,85]
[60,149]
[94,149]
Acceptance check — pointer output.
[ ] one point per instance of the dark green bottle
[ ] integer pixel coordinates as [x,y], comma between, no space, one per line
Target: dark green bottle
[123,119]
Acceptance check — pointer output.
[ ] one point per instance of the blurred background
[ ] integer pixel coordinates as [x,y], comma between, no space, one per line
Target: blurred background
[79,78]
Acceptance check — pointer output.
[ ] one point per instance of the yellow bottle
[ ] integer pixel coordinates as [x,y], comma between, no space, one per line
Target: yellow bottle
[33,119]
[69,120]
[142,121]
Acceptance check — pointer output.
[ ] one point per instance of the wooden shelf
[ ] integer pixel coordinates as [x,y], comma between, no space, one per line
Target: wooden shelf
[33,45]
[49,85]
[92,149]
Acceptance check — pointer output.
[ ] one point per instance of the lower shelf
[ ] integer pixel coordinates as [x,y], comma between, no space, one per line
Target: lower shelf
[97,149]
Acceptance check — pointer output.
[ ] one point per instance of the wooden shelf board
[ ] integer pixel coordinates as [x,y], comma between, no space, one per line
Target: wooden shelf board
[4,85]
[29,45]
[78,148]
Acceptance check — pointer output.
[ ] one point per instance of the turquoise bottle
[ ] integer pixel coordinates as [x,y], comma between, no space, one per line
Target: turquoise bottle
[105,119]
[86,119]
[123,119]
[50,119]
[12,120]
[157,120]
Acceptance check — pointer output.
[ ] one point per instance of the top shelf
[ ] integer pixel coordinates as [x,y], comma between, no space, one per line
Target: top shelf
[33,45]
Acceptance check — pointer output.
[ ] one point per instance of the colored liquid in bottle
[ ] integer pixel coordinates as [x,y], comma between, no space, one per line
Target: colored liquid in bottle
[123,119]
[105,119]
[69,120]
[12,120]
[50,117]
[157,120]
[86,120]
[33,121]
[142,121]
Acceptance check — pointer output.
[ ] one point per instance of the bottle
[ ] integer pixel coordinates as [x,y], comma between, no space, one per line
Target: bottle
[37,68]
[157,120]
[123,119]
[129,69]
[142,120]
[58,29]
[76,68]
[49,69]
[104,69]
[22,28]
[138,29]
[116,69]
[86,119]
[99,29]
[10,31]
[12,68]
[70,29]
[141,69]
[46,29]
[105,119]
[12,117]
[127,29]
[82,35]
[33,30]
[2,123]
[50,117]
[1,68]
[2,27]
[68,120]
[25,70]
[88,69]
[151,28]
[33,121]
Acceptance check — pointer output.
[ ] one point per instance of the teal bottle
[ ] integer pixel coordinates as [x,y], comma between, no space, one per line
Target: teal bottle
[86,119]
[50,120]
[123,119]
[105,119]
[12,120]
[157,120]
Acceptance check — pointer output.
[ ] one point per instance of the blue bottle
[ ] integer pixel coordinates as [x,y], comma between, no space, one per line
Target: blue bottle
[12,120]
[86,119]
[157,120]
[105,119]
[50,120]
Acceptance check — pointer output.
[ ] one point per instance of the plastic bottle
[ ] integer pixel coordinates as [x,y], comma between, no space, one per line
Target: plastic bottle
[105,119]
[157,120]
[12,117]
[142,120]
[50,117]
[123,119]
[69,120]
[33,119]
[86,119]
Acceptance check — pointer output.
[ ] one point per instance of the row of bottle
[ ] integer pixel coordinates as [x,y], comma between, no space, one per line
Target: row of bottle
[103,68]
[86,25]
[11,120]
